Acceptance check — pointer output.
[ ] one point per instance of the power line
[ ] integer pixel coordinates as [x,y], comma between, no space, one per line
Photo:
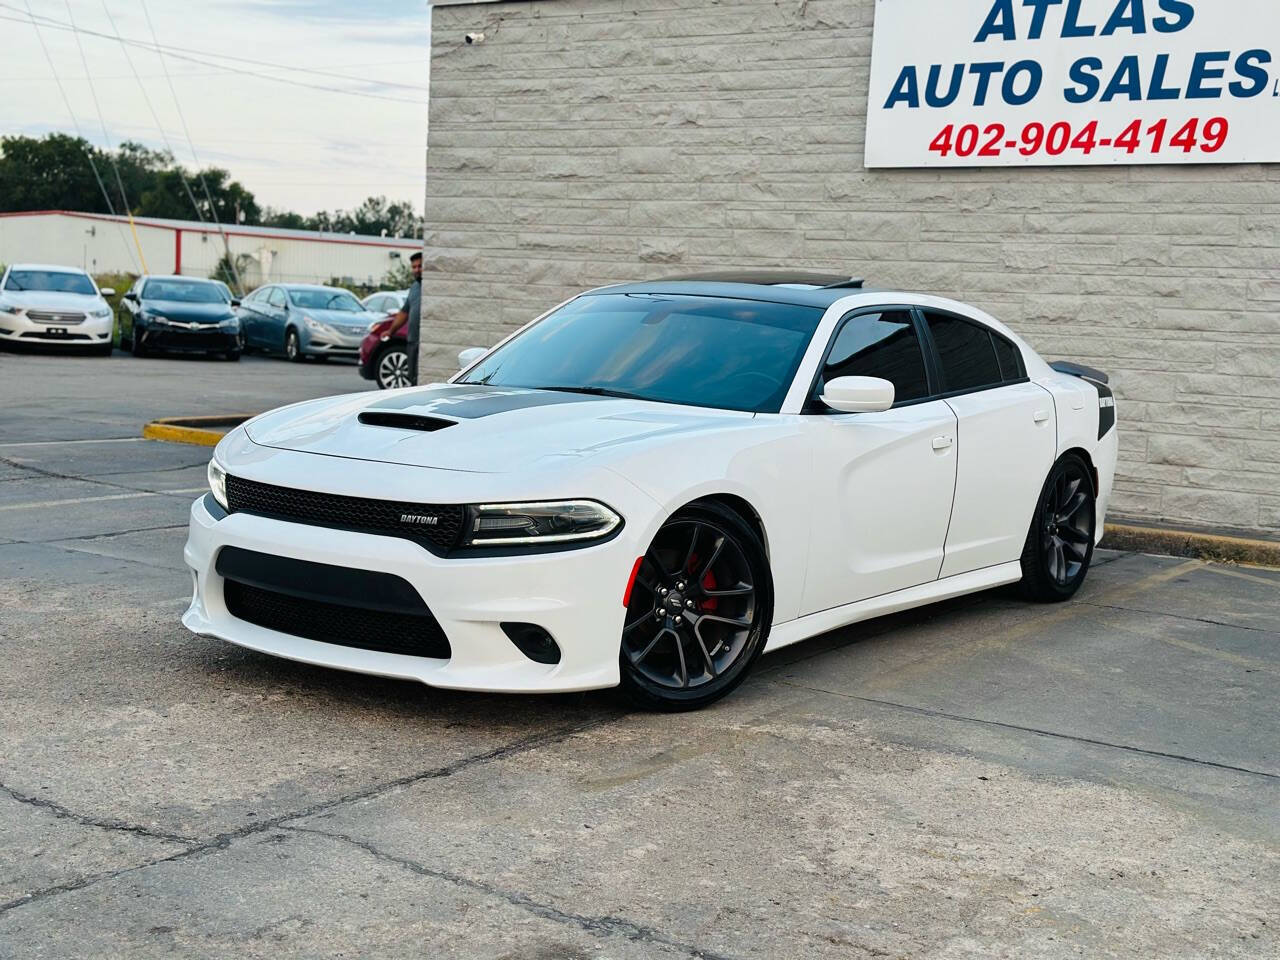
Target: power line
[213,208]
[75,123]
[154,115]
[180,53]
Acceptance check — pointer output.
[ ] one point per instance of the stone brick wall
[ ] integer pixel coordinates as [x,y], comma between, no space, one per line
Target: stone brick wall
[594,141]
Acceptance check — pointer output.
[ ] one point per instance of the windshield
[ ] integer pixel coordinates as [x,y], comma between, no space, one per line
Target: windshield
[701,351]
[183,291]
[325,300]
[55,281]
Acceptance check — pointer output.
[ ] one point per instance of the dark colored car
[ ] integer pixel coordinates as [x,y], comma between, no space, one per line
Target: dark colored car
[386,364]
[178,315]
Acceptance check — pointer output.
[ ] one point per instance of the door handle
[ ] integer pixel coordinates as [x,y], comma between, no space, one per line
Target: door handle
[1040,416]
[942,443]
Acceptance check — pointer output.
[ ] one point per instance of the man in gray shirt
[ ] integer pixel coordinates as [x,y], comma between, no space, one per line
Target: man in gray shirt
[411,313]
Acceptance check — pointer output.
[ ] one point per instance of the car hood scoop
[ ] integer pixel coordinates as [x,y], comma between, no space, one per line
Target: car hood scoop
[405,421]
[475,428]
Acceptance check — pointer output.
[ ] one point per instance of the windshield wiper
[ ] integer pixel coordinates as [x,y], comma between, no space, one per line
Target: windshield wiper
[596,392]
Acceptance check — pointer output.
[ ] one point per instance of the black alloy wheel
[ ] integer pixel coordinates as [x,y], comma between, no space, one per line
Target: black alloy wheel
[292,346]
[699,611]
[241,344]
[1059,546]
[392,369]
[136,346]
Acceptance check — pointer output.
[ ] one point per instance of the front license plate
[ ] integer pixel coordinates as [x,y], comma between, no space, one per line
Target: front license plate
[56,331]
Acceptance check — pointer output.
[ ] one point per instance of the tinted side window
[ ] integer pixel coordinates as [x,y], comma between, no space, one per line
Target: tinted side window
[1011,368]
[880,345]
[967,354]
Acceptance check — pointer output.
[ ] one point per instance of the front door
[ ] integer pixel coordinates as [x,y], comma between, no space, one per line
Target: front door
[882,482]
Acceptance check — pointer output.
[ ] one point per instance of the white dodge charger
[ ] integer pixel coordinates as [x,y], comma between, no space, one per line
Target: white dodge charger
[654,483]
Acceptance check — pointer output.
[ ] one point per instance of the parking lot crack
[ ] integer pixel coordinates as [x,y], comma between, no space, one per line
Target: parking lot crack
[1035,731]
[599,926]
[223,840]
[1176,616]
[106,823]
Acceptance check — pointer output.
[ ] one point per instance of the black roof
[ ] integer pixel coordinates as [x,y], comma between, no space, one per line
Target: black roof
[773,286]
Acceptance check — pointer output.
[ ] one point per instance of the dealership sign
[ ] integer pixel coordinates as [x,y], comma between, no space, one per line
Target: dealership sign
[965,83]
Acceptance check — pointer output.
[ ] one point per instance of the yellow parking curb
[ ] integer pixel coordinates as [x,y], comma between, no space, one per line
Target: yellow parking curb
[1187,543]
[202,431]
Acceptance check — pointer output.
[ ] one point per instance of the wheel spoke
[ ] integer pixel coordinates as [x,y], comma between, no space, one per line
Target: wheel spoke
[1075,549]
[652,557]
[635,623]
[1059,562]
[715,555]
[706,656]
[1070,533]
[731,621]
[637,659]
[684,667]
[1072,507]
[741,590]
[689,554]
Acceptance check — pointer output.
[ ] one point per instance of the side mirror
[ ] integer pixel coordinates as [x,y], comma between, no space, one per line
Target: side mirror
[858,394]
[469,356]
[107,291]
[235,301]
[130,296]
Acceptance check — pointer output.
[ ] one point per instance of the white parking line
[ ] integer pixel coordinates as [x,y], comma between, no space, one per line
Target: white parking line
[113,496]
[55,443]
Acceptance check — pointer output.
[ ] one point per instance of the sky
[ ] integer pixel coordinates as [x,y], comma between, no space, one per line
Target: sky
[293,146]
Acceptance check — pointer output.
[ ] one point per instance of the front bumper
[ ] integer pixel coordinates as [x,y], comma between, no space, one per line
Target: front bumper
[180,340]
[318,343]
[90,332]
[575,595]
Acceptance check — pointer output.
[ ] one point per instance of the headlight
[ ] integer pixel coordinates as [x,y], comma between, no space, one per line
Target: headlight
[218,483]
[16,311]
[496,524]
[315,324]
[101,312]
[232,324]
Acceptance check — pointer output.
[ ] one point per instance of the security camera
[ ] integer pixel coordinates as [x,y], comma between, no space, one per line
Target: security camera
[475,38]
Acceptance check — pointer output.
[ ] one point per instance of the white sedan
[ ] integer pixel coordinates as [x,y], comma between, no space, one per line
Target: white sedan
[50,305]
[651,485]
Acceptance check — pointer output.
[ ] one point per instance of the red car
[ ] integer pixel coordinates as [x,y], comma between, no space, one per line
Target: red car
[387,364]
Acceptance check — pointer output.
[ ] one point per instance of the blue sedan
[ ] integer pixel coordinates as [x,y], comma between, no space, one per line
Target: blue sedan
[304,320]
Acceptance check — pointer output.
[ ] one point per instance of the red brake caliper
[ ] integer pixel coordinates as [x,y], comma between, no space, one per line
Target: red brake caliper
[708,583]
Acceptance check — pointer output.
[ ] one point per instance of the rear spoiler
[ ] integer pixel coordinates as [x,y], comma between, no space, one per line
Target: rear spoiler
[1106,399]
[1080,370]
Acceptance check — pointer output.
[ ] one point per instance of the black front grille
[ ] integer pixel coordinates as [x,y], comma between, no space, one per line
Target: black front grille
[396,518]
[405,633]
[366,609]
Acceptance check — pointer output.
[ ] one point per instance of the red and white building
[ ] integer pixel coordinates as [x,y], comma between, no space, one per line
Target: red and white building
[100,243]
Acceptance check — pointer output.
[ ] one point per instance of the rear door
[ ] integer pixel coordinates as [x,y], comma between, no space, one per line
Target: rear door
[882,482]
[1007,436]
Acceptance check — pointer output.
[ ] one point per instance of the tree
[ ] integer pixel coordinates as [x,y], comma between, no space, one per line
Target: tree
[377,216]
[53,173]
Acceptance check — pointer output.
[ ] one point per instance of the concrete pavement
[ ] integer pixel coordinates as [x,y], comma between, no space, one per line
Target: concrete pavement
[984,778]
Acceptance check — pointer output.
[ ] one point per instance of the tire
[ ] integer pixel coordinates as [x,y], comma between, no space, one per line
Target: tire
[712,567]
[1059,546]
[391,369]
[136,346]
[242,345]
[293,346]
[232,355]
[104,349]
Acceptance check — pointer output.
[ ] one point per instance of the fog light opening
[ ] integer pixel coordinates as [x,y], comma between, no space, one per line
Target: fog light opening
[533,641]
